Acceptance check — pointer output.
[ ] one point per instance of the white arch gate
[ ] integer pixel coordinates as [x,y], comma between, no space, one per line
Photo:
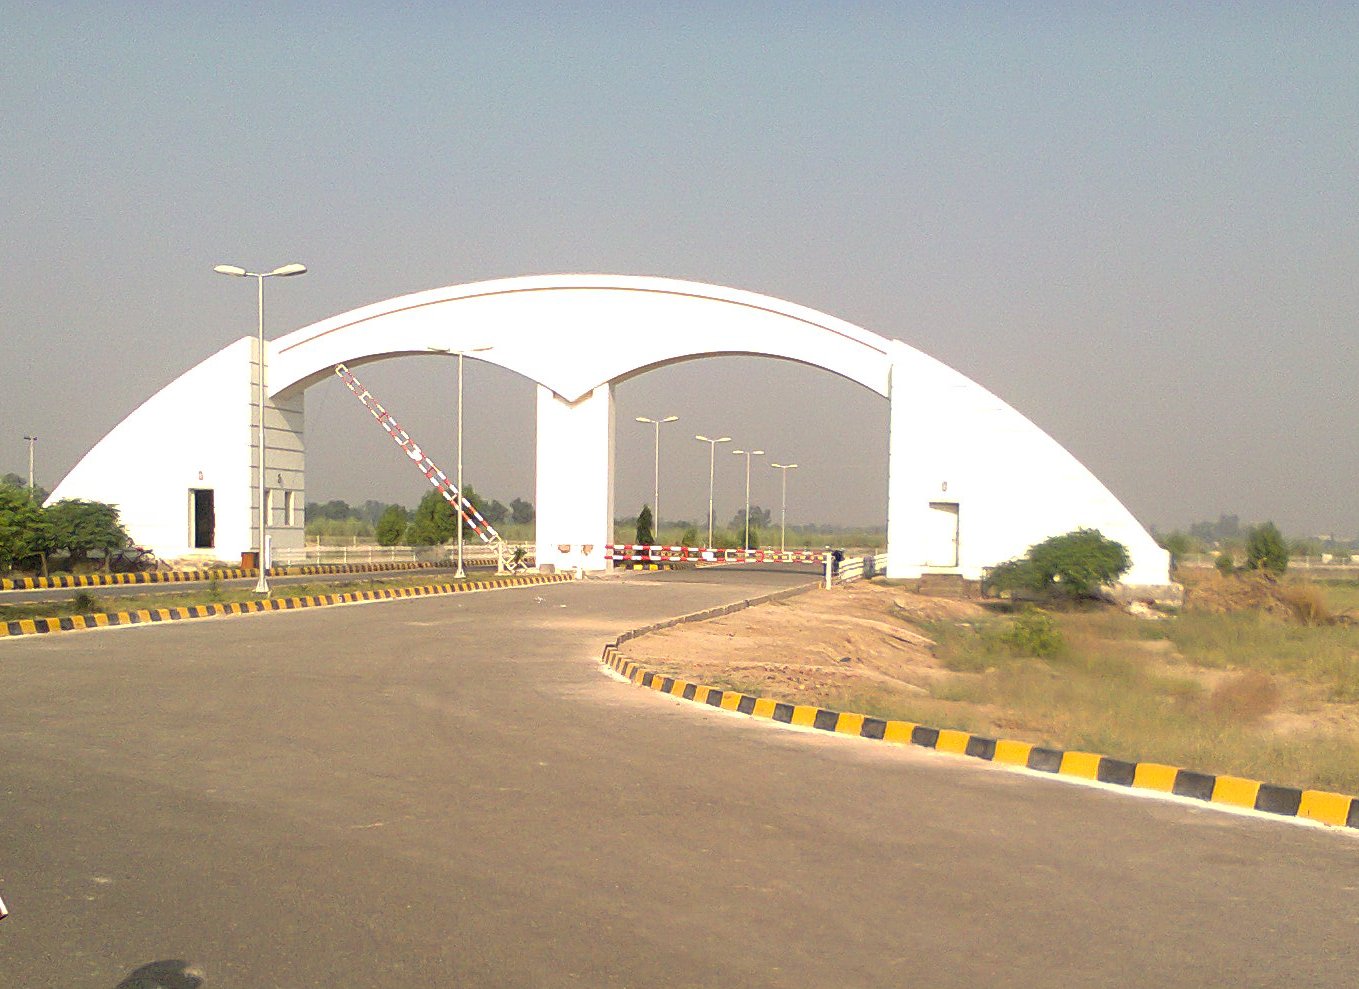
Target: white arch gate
[971,482]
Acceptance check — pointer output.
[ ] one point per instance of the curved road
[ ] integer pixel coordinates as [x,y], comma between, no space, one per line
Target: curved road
[447,792]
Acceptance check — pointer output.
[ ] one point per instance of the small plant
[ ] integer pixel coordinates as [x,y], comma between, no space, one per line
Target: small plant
[85,603]
[1033,633]
[1225,565]
[214,591]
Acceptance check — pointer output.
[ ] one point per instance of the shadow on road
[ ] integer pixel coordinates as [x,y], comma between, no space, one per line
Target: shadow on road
[172,973]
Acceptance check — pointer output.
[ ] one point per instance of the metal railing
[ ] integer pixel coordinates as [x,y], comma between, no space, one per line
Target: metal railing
[856,568]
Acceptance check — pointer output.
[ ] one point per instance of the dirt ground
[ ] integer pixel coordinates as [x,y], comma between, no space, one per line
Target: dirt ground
[797,649]
[865,639]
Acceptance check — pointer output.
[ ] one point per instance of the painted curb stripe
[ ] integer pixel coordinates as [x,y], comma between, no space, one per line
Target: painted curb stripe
[1335,809]
[41,626]
[193,576]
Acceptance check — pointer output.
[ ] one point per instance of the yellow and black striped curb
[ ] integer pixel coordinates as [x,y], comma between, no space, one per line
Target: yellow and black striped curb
[42,626]
[1335,809]
[188,576]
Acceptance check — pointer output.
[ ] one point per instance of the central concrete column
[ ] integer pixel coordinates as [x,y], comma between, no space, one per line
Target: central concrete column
[575,479]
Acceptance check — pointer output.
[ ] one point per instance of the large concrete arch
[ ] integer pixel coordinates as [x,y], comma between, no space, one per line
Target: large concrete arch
[971,482]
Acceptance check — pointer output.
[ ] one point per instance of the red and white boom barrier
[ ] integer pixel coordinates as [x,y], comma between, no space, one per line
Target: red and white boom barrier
[423,463]
[630,553]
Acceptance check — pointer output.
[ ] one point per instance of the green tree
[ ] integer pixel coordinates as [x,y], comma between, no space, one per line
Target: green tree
[521,512]
[690,536]
[645,537]
[25,534]
[83,527]
[434,521]
[495,512]
[391,527]
[1266,549]
[1073,565]
[1179,543]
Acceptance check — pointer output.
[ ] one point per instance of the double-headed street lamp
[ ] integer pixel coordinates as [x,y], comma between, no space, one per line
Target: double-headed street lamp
[712,455]
[262,585]
[461,574]
[783,504]
[748,454]
[656,484]
[32,442]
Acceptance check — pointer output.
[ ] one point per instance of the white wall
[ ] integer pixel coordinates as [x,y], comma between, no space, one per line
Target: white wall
[197,432]
[952,441]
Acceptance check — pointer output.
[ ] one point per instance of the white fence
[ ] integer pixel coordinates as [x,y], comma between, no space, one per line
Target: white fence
[857,568]
[473,555]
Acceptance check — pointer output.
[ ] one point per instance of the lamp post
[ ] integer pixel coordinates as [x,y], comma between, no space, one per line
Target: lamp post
[32,442]
[748,454]
[712,456]
[656,483]
[783,505]
[262,585]
[461,574]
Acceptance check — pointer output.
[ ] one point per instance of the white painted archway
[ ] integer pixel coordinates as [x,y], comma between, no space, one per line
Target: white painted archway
[960,459]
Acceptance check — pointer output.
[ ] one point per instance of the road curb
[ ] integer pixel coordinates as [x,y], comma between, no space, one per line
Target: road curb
[73,623]
[189,576]
[1334,809]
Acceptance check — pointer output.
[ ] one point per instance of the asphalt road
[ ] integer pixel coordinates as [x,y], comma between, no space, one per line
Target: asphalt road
[189,586]
[448,792]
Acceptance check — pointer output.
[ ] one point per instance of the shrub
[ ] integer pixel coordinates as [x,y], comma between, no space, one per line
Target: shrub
[1225,565]
[84,603]
[1308,604]
[1033,633]
[1073,565]
[1266,549]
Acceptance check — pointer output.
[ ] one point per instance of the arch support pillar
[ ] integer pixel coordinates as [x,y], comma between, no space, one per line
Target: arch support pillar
[574,496]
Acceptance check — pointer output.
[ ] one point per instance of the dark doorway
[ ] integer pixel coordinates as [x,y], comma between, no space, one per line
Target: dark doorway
[204,518]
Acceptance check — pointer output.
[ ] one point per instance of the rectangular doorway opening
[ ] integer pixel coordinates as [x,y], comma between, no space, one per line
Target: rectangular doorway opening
[942,535]
[203,516]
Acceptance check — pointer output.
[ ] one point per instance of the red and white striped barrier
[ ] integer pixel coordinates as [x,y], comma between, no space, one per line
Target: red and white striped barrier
[633,553]
[422,463]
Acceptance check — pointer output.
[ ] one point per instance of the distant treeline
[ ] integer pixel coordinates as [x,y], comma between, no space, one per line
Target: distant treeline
[1229,535]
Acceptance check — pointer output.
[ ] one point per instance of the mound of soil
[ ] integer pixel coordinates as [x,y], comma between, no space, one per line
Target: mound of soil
[1217,594]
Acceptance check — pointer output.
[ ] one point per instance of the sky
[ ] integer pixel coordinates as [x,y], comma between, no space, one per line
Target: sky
[1138,224]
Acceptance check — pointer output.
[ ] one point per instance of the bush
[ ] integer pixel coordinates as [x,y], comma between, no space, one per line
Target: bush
[1033,633]
[1266,549]
[1225,565]
[1074,565]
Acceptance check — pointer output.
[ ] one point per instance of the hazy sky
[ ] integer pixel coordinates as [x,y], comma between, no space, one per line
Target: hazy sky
[1136,223]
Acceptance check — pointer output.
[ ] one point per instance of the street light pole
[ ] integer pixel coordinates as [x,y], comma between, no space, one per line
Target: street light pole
[262,585]
[461,574]
[656,482]
[712,456]
[748,454]
[32,442]
[783,506]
